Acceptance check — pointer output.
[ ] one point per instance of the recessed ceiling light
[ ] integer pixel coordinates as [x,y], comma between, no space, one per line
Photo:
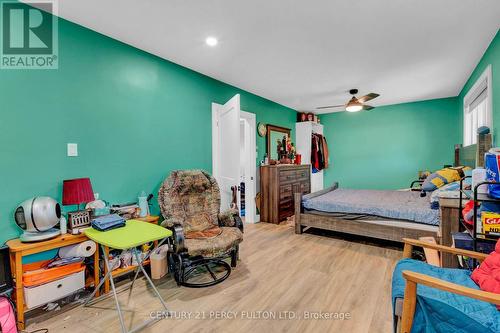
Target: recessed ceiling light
[211,41]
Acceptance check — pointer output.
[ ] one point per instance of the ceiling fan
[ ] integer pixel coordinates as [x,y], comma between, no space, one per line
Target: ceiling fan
[354,104]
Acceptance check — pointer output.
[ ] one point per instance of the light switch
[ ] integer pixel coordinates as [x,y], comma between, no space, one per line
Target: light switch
[72,149]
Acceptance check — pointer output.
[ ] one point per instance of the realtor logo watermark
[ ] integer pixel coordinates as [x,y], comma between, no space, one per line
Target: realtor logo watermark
[29,35]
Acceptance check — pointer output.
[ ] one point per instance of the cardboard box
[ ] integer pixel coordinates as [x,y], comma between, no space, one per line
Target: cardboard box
[491,223]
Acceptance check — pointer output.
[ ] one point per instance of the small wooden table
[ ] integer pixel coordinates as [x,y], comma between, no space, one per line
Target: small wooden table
[18,250]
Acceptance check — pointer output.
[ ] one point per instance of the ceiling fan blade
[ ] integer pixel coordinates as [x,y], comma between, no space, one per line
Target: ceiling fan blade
[368,107]
[330,107]
[368,97]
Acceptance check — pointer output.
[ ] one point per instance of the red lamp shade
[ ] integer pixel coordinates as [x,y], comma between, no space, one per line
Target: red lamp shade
[77,191]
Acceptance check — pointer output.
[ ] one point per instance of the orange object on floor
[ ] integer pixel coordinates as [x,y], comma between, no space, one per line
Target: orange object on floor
[39,275]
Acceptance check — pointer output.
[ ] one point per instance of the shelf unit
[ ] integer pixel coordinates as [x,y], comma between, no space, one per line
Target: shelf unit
[476,233]
[18,250]
[121,271]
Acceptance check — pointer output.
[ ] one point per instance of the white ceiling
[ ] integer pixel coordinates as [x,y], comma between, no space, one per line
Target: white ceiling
[308,53]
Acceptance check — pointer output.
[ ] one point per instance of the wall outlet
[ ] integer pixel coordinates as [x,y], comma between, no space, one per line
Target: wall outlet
[72,149]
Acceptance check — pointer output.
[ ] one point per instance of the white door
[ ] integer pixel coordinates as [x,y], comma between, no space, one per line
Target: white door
[226,148]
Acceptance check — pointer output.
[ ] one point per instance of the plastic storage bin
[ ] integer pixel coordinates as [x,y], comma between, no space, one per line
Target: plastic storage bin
[48,292]
[40,276]
[159,262]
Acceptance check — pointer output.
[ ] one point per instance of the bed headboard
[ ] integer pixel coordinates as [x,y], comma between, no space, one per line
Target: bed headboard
[465,156]
[473,155]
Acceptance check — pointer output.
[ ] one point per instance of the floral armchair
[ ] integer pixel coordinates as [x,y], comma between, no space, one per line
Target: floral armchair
[203,237]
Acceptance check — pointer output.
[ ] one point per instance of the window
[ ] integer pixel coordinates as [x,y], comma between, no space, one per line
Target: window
[477,107]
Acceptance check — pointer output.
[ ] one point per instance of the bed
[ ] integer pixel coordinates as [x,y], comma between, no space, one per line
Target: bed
[359,212]
[387,215]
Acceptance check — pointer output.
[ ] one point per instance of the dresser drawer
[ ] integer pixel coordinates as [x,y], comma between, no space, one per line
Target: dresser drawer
[302,174]
[286,210]
[286,192]
[287,176]
[305,187]
[286,205]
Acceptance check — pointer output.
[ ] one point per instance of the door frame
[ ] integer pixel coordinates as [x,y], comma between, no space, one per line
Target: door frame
[251,165]
[252,157]
[215,140]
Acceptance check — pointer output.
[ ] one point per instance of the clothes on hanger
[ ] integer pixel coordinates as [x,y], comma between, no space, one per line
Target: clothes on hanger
[319,152]
[326,156]
[314,153]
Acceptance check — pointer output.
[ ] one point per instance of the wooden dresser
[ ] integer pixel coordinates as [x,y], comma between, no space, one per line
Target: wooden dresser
[278,184]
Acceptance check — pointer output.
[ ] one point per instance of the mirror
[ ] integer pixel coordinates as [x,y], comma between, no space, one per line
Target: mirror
[275,134]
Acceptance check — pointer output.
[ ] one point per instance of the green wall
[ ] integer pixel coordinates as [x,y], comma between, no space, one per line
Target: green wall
[491,56]
[384,148]
[134,116]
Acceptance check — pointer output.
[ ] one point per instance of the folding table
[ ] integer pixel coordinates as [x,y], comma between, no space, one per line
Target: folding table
[134,234]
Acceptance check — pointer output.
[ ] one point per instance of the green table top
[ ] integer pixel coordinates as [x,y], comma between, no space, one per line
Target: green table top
[134,233]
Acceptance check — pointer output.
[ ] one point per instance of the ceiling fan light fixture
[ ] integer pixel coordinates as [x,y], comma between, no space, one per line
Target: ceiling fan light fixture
[353,108]
[354,105]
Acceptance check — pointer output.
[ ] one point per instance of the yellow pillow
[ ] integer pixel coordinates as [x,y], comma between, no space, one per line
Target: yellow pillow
[443,177]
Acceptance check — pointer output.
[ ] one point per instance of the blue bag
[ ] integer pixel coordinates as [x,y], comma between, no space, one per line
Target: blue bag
[492,161]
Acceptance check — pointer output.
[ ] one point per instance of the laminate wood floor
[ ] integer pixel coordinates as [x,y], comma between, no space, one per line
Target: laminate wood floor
[280,280]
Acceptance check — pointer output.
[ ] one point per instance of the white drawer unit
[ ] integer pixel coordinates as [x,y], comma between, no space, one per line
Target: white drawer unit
[48,292]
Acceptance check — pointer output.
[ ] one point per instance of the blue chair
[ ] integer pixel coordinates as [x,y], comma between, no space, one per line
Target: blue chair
[433,299]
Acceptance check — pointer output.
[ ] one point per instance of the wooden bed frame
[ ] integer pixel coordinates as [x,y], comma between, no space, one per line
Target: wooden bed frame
[394,230]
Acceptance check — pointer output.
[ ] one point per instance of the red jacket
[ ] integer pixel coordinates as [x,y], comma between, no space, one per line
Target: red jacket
[487,275]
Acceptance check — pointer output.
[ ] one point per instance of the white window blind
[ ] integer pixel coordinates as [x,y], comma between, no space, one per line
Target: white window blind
[477,111]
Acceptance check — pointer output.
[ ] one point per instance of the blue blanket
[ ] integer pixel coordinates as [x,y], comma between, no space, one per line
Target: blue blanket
[401,205]
[441,311]
[108,222]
